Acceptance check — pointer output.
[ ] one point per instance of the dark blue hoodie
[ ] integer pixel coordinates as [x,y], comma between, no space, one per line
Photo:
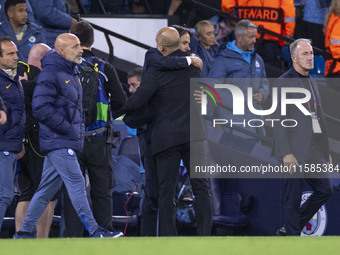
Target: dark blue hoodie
[32,36]
[243,69]
[57,104]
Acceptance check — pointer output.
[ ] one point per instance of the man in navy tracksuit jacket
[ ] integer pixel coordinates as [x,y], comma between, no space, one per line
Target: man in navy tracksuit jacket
[12,132]
[29,35]
[57,104]
[243,67]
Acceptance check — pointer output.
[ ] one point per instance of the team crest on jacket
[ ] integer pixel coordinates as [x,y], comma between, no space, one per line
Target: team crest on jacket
[257,64]
[318,223]
[70,152]
[32,39]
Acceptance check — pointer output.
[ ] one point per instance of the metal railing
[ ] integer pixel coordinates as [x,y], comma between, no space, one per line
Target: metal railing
[119,36]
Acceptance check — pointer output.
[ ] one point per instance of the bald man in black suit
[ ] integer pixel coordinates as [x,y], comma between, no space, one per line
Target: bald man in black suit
[168,94]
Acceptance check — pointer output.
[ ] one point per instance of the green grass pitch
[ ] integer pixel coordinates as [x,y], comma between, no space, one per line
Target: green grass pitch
[174,245]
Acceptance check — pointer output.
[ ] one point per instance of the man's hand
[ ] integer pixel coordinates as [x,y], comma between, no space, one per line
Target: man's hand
[22,152]
[3,117]
[330,160]
[74,21]
[24,77]
[196,61]
[290,161]
[258,97]
[198,96]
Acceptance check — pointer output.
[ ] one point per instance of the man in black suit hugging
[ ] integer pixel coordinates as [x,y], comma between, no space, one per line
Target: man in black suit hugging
[168,95]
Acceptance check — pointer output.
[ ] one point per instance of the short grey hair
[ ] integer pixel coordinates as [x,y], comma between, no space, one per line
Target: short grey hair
[293,46]
[242,26]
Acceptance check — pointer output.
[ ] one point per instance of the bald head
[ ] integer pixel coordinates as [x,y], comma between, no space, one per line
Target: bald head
[36,54]
[68,46]
[167,40]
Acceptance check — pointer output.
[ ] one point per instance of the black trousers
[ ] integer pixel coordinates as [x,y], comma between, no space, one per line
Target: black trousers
[296,216]
[31,168]
[97,159]
[168,162]
[150,203]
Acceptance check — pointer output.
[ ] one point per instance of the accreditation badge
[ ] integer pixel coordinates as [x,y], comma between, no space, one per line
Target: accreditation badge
[315,123]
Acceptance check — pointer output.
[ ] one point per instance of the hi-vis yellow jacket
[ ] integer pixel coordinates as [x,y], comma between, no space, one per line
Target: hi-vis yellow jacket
[332,44]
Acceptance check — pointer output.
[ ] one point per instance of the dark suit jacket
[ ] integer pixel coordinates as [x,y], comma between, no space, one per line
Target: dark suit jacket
[297,140]
[169,95]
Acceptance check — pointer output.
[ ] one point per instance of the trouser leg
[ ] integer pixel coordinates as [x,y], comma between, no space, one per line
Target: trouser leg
[168,163]
[150,203]
[49,185]
[7,172]
[99,165]
[66,163]
[292,201]
[322,191]
[200,187]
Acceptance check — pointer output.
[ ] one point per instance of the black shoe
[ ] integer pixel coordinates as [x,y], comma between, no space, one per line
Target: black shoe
[103,232]
[282,231]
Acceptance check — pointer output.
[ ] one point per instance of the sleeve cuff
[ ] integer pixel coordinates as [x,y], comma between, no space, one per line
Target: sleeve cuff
[188,60]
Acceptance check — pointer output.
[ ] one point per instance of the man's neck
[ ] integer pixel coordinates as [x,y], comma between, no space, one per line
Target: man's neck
[300,70]
[86,48]
[168,52]
[16,28]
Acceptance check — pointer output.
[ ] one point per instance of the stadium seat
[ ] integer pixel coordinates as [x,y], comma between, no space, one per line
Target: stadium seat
[319,67]
[129,148]
[229,209]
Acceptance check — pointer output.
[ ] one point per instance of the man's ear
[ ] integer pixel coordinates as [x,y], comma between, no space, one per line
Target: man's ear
[10,12]
[293,57]
[60,51]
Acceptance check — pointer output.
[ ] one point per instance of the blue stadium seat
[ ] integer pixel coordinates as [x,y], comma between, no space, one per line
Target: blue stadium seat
[229,209]
[319,67]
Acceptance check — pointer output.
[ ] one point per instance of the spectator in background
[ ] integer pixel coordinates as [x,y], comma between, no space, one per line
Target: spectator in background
[311,26]
[207,46]
[275,15]
[11,133]
[31,164]
[134,78]
[24,34]
[3,15]
[184,37]
[332,43]
[3,114]
[240,62]
[52,16]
